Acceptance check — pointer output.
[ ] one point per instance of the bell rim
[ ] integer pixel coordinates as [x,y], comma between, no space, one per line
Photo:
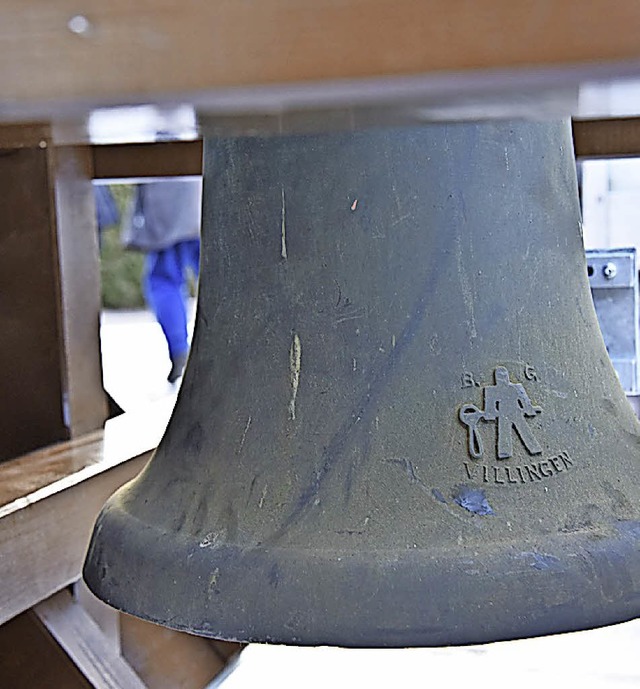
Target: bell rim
[574,582]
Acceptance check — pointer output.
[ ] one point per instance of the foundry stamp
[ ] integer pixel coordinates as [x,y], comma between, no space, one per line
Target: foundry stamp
[528,473]
[508,405]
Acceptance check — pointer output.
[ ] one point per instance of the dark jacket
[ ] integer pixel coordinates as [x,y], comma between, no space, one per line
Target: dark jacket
[163,213]
[106,208]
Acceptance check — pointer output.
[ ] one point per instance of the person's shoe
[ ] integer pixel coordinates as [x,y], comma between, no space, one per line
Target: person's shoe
[177,367]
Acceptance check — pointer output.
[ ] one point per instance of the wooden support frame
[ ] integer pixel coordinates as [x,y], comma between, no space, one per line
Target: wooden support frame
[31,657]
[31,339]
[79,269]
[241,57]
[617,137]
[161,159]
[50,499]
[49,292]
[84,643]
[269,55]
[597,138]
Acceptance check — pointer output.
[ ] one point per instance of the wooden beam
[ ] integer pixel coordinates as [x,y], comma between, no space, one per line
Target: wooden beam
[106,617]
[43,545]
[31,337]
[164,658]
[84,643]
[266,55]
[25,136]
[609,138]
[49,292]
[598,138]
[50,499]
[77,236]
[30,657]
[162,159]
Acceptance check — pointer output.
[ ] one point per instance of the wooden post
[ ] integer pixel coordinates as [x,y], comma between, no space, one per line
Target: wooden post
[80,286]
[31,340]
[31,657]
[50,382]
[85,644]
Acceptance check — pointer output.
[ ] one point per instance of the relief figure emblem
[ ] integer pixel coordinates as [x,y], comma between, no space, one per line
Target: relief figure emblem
[509,405]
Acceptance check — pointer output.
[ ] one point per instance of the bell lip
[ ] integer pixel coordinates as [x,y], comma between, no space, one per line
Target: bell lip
[577,582]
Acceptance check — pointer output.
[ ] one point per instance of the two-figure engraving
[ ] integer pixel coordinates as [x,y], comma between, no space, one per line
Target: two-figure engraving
[508,404]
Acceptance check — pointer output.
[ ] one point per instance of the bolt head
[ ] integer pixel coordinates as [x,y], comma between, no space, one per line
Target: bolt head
[610,271]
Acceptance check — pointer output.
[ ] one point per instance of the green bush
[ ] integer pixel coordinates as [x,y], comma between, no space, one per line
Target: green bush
[120,269]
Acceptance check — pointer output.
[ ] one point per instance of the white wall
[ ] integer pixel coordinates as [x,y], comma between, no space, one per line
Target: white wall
[611,203]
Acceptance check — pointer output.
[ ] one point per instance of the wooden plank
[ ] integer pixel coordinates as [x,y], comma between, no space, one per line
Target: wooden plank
[39,475]
[82,640]
[49,292]
[31,339]
[25,135]
[49,501]
[250,55]
[43,545]
[30,657]
[607,138]
[106,617]
[226,650]
[80,285]
[165,658]
[162,159]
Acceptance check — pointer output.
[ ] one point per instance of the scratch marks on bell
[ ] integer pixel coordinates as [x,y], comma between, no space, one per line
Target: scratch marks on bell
[283,228]
[295,360]
[356,531]
[401,218]
[409,469]
[466,287]
[210,540]
[213,581]
[540,561]
[244,436]
[353,315]
[437,494]
[348,433]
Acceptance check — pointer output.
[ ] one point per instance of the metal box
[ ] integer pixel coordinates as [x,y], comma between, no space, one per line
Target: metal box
[613,278]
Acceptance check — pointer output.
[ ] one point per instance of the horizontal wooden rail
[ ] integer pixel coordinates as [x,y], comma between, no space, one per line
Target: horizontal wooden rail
[258,56]
[49,500]
[607,138]
[601,138]
[162,159]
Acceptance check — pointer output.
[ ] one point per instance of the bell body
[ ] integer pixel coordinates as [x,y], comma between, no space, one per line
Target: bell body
[399,424]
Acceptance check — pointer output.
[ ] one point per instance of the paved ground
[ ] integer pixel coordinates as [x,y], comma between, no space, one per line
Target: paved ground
[135,360]
[135,369]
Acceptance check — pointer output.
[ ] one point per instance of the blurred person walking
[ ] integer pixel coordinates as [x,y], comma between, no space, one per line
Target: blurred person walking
[165,224]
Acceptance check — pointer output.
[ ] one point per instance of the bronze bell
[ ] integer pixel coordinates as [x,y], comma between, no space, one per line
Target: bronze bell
[398,425]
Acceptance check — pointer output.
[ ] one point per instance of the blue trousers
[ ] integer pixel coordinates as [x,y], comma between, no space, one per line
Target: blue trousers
[165,287]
